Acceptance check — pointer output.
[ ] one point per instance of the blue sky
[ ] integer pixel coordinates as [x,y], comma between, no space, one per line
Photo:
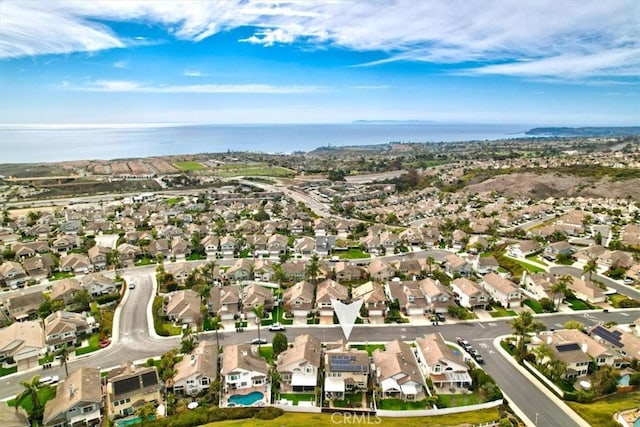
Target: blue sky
[540,62]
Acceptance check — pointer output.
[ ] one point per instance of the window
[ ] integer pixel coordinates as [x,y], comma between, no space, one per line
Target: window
[204,381]
[87,409]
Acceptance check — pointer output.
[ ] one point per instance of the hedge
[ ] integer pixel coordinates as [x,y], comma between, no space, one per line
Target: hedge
[106,299]
[201,416]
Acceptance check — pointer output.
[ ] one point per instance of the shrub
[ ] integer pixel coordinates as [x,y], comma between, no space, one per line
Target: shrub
[269,413]
[106,299]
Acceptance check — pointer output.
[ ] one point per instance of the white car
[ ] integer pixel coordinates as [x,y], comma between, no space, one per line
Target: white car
[132,285]
[277,327]
[49,380]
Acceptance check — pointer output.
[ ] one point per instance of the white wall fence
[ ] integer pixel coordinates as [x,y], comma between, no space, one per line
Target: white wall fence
[544,379]
[307,409]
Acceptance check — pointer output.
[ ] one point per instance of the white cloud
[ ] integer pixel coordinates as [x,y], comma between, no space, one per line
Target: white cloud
[132,86]
[456,31]
[121,64]
[193,73]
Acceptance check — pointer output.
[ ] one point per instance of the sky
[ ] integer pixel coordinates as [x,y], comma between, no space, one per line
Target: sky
[548,62]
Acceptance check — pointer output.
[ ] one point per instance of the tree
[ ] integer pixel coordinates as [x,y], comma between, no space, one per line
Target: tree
[82,299]
[313,268]
[523,325]
[63,354]
[279,344]
[560,288]
[30,391]
[216,323]
[145,412]
[590,267]
[188,341]
[556,369]
[605,380]
[542,353]
[430,262]
[279,274]
[48,307]
[258,310]
[574,324]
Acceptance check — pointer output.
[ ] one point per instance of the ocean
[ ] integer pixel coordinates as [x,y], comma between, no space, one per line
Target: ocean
[31,144]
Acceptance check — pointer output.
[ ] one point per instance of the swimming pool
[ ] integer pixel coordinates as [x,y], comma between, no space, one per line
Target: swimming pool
[131,421]
[624,380]
[246,399]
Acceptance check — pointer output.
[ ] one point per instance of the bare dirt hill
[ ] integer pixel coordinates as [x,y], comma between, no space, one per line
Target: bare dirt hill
[556,185]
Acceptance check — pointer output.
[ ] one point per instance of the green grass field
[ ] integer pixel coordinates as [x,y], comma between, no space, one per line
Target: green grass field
[534,305]
[352,253]
[400,405]
[599,413]
[306,420]
[189,166]
[501,312]
[46,393]
[254,170]
[94,345]
[369,347]
[455,400]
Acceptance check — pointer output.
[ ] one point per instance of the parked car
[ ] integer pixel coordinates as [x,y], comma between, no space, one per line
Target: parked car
[277,327]
[49,380]
[464,344]
[477,356]
[257,341]
[132,285]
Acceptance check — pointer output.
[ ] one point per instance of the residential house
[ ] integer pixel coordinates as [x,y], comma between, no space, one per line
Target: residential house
[25,306]
[586,291]
[24,343]
[408,267]
[623,344]
[243,372]
[575,349]
[65,243]
[242,269]
[346,370]
[470,294]
[159,248]
[346,271]
[196,371]
[373,298]
[12,274]
[65,290]
[98,257]
[304,246]
[77,401]
[211,244]
[277,244]
[523,248]
[39,267]
[380,271]
[445,367]
[127,253]
[183,307]
[325,245]
[298,299]
[29,249]
[453,265]
[326,291]
[437,297]
[485,264]
[294,270]
[129,388]
[562,248]
[228,245]
[180,270]
[180,248]
[76,263]
[397,372]
[409,296]
[254,295]
[299,365]
[98,284]
[539,284]
[501,290]
[64,328]
[224,302]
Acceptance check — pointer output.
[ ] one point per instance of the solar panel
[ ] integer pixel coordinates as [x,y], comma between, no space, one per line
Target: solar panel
[149,378]
[567,347]
[126,385]
[612,337]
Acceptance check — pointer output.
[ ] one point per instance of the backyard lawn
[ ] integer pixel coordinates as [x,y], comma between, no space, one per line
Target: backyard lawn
[94,344]
[501,312]
[368,347]
[351,400]
[353,253]
[534,305]
[401,405]
[298,397]
[577,304]
[454,400]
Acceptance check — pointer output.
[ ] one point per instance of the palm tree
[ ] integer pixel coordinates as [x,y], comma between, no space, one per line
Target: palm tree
[522,325]
[542,352]
[31,392]
[313,268]
[590,267]
[430,262]
[279,274]
[188,341]
[216,323]
[560,288]
[258,310]
[63,353]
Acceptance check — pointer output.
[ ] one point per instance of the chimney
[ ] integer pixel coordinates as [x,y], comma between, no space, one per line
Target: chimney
[585,347]
[193,359]
[71,390]
[549,340]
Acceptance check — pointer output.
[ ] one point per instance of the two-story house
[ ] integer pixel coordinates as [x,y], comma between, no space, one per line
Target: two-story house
[470,294]
[243,372]
[346,370]
[299,365]
[129,387]
[196,371]
[326,291]
[445,367]
[224,302]
[64,328]
[184,307]
[373,298]
[77,401]
[23,342]
[397,372]
[298,299]
[501,290]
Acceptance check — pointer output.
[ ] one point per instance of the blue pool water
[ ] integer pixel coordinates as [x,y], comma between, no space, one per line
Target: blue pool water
[246,399]
[636,423]
[624,381]
[131,421]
